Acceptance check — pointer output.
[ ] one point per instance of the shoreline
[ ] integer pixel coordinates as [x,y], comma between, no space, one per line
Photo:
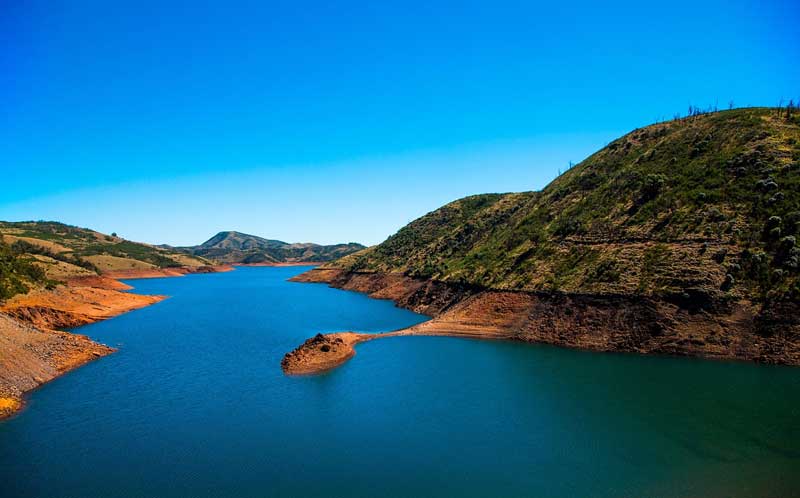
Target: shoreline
[291,263]
[310,358]
[626,324]
[34,348]
[180,271]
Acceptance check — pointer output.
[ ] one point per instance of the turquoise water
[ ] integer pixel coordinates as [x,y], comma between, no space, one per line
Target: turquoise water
[194,404]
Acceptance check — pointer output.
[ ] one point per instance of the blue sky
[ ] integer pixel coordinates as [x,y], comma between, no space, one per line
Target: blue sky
[338,121]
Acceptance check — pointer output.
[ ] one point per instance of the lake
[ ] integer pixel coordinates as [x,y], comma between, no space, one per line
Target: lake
[195,404]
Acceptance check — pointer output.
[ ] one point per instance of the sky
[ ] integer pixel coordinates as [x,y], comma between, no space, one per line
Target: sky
[328,122]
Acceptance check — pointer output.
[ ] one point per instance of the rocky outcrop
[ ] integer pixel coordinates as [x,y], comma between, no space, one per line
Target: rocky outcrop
[320,353]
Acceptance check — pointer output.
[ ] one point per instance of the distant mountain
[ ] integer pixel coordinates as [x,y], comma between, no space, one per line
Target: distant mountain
[237,247]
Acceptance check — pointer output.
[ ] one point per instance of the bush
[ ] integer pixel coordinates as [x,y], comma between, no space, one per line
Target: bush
[774,222]
[22,247]
[16,273]
[728,282]
[652,186]
[606,272]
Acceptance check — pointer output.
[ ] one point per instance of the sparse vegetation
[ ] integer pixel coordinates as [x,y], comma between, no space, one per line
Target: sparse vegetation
[17,273]
[35,250]
[21,247]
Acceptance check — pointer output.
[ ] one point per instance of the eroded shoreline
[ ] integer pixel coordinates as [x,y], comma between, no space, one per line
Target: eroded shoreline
[313,357]
[635,324]
[33,349]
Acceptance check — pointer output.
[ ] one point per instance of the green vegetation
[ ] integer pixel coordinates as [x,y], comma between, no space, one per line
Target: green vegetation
[21,247]
[60,251]
[17,273]
[130,250]
[708,204]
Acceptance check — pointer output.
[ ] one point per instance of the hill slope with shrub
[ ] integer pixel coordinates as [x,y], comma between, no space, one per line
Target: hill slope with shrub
[42,253]
[701,208]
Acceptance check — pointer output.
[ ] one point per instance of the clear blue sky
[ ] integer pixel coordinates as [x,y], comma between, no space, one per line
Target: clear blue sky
[336,121]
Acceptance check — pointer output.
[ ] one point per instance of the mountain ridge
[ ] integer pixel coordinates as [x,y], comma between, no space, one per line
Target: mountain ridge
[237,247]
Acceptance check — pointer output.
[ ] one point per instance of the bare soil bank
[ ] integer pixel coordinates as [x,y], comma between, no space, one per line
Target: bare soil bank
[634,324]
[32,349]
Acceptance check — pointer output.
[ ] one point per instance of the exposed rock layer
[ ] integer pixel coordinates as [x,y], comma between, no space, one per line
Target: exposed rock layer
[598,322]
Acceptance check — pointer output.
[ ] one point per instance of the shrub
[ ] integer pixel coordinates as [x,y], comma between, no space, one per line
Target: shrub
[16,273]
[652,186]
[728,282]
[606,271]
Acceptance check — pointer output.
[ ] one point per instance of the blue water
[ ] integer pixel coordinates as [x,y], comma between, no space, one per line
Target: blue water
[194,404]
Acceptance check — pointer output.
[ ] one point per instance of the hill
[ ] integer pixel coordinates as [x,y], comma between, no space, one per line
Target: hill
[705,204]
[688,221]
[236,247]
[55,276]
[42,253]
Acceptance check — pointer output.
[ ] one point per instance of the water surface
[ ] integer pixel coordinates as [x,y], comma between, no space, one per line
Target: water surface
[194,404]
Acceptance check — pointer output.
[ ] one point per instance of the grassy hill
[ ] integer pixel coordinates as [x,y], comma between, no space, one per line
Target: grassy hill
[237,247]
[43,252]
[704,207]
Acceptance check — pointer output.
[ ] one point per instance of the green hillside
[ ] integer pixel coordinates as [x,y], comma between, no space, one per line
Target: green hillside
[706,206]
[45,252]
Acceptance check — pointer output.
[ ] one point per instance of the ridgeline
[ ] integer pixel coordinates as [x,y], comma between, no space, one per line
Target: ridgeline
[241,248]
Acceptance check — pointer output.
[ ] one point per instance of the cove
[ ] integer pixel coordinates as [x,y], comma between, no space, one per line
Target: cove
[195,404]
